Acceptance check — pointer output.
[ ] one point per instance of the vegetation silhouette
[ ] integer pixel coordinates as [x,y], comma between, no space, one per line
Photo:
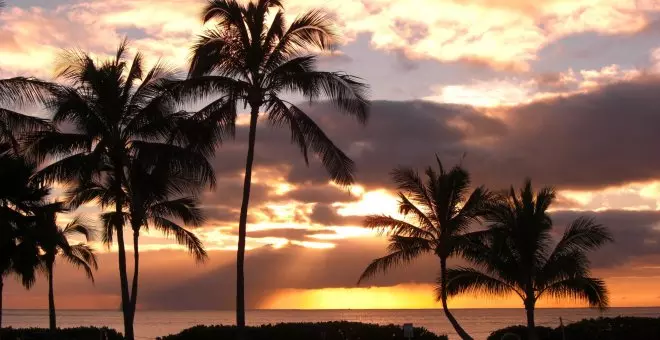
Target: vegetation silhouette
[19,252]
[519,255]
[120,137]
[118,112]
[245,60]
[438,213]
[54,240]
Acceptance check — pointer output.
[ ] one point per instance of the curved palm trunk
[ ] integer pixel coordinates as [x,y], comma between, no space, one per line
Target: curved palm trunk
[123,277]
[242,226]
[51,299]
[443,297]
[136,266]
[531,325]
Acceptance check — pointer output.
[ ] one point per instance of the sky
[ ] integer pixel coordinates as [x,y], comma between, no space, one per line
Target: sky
[564,92]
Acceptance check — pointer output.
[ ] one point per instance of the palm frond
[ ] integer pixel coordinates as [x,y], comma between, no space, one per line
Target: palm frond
[80,226]
[408,181]
[229,15]
[339,166]
[82,256]
[22,91]
[42,144]
[402,250]
[186,209]
[313,29]
[110,221]
[392,226]
[347,93]
[586,289]
[182,237]
[584,235]
[463,280]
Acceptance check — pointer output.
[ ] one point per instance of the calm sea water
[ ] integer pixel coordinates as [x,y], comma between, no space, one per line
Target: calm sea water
[151,324]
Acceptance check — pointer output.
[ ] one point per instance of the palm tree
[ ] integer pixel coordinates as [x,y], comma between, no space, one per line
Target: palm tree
[155,197]
[116,111]
[518,255]
[18,195]
[251,62]
[441,212]
[54,240]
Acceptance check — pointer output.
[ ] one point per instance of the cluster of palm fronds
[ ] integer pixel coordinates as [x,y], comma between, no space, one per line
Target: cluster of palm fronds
[119,134]
[515,254]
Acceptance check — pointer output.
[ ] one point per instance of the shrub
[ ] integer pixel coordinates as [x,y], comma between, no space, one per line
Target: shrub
[305,331]
[619,328]
[519,333]
[79,333]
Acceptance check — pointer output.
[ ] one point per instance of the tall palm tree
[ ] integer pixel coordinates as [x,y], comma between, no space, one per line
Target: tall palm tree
[19,253]
[54,240]
[438,214]
[156,197]
[248,61]
[116,110]
[519,255]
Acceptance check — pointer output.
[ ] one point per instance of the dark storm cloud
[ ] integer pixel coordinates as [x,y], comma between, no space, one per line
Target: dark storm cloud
[587,141]
[636,234]
[327,215]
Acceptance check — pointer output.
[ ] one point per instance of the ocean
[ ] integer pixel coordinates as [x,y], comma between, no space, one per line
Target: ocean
[151,324]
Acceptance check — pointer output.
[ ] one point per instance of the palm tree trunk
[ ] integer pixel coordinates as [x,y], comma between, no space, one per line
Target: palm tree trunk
[51,299]
[531,325]
[136,266]
[443,297]
[123,277]
[242,225]
[2,285]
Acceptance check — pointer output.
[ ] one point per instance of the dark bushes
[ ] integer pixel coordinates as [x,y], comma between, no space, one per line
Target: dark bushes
[521,331]
[79,333]
[619,328]
[305,331]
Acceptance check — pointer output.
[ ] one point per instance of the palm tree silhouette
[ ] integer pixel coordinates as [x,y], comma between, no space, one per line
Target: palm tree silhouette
[518,256]
[19,253]
[54,240]
[438,214]
[117,111]
[248,61]
[149,202]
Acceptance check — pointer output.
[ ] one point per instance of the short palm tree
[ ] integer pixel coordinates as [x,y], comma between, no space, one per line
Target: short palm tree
[519,255]
[248,61]
[155,197]
[438,215]
[54,240]
[116,110]
[19,253]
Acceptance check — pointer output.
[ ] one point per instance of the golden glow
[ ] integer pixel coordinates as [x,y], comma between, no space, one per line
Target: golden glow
[315,245]
[372,202]
[403,296]
[624,292]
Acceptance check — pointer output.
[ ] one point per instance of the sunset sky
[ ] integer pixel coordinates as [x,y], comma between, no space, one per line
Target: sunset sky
[566,92]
